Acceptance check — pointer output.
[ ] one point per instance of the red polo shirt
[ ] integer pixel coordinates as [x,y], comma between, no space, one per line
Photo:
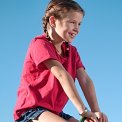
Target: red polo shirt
[38,85]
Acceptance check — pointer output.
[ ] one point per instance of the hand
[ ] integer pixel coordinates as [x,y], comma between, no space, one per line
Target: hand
[101,117]
[88,120]
[91,117]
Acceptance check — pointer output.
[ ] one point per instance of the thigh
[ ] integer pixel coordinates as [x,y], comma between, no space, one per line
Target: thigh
[73,120]
[48,116]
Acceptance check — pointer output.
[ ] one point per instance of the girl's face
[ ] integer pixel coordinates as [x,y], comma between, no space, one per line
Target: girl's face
[69,27]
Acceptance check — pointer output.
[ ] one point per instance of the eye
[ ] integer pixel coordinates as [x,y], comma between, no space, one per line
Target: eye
[79,24]
[72,22]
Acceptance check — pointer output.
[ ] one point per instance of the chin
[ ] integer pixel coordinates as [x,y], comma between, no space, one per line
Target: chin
[71,40]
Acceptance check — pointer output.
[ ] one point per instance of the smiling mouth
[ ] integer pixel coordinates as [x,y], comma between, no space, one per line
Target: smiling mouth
[72,35]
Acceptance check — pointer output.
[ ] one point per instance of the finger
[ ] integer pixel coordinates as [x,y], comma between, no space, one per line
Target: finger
[98,114]
[94,119]
[100,119]
[88,120]
[104,118]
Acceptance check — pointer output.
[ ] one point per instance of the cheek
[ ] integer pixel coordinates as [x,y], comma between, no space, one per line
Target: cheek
[66,30]
[63,31]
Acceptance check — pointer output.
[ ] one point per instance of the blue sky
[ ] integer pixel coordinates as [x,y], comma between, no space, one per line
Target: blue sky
[99,44]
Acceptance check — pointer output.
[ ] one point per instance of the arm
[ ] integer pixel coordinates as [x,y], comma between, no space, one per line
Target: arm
[88,89]
[66,82]
[68,85]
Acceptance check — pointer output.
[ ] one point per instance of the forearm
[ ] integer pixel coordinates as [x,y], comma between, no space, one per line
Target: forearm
[73,95]
[90,95]
[68,85]
[88,89]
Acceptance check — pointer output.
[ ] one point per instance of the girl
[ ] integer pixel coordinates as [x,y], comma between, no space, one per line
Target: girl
[50,68]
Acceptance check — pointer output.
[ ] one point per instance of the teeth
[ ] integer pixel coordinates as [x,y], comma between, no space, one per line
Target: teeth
[73,35]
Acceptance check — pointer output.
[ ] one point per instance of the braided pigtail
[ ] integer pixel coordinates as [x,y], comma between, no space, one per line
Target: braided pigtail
[45,21]
[67,49]
[49,12]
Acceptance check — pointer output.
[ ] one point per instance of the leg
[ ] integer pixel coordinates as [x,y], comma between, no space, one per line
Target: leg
[73,120]
[49,117]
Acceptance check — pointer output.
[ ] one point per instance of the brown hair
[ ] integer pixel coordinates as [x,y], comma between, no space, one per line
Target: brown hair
[57,8]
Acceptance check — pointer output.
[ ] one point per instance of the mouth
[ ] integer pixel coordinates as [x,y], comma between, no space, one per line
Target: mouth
[72,35]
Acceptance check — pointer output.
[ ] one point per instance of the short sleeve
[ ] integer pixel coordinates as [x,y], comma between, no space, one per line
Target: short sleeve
[78,61]
[42,50]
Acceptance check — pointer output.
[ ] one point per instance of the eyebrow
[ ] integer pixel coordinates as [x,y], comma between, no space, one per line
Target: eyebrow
[75,20]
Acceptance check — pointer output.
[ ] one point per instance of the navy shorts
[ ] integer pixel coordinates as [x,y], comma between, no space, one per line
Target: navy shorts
[33,113]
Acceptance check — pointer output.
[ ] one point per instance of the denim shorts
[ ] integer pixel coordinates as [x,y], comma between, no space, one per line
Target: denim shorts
[33,113]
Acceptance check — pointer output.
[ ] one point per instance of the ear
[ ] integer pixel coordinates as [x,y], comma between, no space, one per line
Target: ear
[52,21]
